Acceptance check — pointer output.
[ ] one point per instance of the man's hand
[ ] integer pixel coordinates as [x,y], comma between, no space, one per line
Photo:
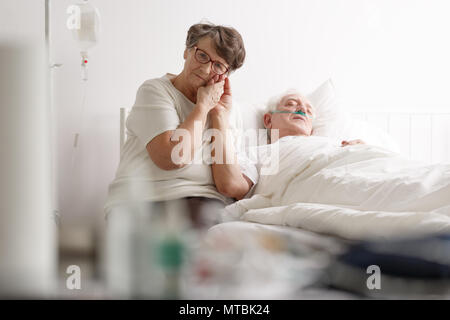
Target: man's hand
[352,142]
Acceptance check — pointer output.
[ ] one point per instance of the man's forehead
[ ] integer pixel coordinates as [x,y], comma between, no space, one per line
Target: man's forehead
[294,97]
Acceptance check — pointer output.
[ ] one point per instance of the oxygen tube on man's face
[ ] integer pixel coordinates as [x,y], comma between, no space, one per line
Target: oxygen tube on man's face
[296,112]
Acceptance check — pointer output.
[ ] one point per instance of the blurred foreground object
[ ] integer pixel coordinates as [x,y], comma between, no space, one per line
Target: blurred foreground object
[27,228]
[405,268]
[146,249]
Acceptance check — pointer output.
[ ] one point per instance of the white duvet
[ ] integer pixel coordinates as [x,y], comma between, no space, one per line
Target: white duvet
[354,192]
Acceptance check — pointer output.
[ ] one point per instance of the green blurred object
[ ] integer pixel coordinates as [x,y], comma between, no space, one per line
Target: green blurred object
[170,253]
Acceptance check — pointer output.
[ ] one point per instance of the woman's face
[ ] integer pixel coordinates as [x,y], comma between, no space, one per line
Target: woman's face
[196,73]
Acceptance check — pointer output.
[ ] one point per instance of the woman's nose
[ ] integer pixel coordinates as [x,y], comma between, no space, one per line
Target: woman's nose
[206,67]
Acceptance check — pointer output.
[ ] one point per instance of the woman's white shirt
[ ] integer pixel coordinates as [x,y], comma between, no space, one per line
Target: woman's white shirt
[160,107]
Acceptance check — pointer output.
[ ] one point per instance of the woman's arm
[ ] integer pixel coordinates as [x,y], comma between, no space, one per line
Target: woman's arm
[227,174]
[226,171]
[160,148]
[188,135]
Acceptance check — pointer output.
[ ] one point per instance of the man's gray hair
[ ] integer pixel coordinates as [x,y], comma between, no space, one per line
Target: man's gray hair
[272,104]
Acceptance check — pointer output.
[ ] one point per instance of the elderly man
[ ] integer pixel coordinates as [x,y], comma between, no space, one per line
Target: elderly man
[291,115]
[288,115]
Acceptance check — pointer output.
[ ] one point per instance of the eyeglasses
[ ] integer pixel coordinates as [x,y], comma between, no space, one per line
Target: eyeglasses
[202,57]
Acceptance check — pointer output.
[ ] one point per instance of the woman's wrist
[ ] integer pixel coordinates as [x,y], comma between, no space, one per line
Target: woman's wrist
[219,120]
[219,113]
[202,108]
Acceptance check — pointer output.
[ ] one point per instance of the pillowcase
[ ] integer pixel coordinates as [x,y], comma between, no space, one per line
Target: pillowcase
[329,113]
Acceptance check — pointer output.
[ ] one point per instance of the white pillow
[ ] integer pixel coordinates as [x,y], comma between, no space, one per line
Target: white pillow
[331,120]
[252,114]
[328,111]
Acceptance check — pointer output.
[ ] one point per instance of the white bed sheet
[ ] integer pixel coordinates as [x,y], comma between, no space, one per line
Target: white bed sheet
[354,192]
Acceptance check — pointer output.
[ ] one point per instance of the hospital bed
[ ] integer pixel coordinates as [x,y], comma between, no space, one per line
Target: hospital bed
[420,136]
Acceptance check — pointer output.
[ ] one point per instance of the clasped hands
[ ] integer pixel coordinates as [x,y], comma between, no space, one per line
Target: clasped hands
[216,96]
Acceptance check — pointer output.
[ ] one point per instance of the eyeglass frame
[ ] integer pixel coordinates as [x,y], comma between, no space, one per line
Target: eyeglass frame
[210,60]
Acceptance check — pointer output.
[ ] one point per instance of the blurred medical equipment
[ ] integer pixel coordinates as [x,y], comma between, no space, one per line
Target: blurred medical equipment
[153,252]
[84,21]
[27,229]
[146,249]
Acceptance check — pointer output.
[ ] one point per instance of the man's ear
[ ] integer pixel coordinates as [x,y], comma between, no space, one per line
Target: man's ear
[267,120]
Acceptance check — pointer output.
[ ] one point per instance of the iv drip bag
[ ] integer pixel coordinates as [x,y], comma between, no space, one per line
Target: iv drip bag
[87,31]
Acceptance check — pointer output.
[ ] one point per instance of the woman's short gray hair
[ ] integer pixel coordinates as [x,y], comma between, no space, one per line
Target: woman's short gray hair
[226,40]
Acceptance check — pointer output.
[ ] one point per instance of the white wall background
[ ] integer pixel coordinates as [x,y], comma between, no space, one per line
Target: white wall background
[382,54]
[22,18]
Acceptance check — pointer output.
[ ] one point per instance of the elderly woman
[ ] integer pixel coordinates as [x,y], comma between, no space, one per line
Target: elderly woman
[162,158]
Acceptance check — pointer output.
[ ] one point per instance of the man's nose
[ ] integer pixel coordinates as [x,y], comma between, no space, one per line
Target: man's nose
[301,108]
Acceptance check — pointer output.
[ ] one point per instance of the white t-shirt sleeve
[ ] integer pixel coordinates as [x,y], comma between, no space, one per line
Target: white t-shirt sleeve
[153,113]
[247,167]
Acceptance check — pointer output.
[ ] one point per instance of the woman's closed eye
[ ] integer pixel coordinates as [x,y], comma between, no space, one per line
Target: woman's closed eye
[203,56]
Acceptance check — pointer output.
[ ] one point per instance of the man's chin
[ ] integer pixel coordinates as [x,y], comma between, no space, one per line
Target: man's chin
[304,132]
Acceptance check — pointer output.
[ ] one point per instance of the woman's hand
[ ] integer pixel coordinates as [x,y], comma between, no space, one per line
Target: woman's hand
[209,95]
[225,103]
[352,142]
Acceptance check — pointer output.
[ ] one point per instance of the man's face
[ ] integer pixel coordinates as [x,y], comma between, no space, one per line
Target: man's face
[198,74]
[291,124]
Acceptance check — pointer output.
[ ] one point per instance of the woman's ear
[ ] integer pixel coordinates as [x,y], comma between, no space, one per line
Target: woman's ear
[185,54]
[268,120]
